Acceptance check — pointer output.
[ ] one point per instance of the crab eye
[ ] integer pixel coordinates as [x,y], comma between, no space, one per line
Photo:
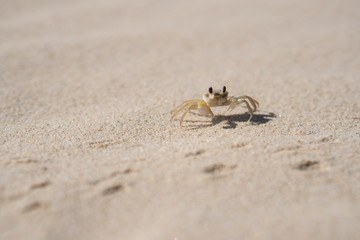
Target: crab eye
[210,90]
[224,89]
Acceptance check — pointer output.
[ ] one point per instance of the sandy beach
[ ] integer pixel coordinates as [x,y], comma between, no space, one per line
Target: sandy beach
[87,150]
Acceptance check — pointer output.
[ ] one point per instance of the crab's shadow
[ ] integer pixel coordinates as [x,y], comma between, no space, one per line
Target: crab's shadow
[231,121]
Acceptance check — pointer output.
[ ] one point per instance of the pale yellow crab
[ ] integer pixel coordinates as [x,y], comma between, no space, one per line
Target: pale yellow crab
[214,99]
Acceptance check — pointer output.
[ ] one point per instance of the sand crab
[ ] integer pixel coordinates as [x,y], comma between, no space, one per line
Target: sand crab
[214,99]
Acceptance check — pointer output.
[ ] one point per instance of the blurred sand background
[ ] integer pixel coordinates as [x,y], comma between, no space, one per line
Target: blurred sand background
[87,150]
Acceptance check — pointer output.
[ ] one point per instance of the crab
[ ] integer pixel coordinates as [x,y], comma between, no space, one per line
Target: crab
[213,98]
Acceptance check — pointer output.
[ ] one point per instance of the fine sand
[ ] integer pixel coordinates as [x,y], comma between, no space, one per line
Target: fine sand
[87,150]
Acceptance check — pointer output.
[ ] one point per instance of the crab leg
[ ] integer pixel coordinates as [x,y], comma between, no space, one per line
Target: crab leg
[236,102]
[186,112]
[202,107]
[253,102]
[179,109]
[183,105]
